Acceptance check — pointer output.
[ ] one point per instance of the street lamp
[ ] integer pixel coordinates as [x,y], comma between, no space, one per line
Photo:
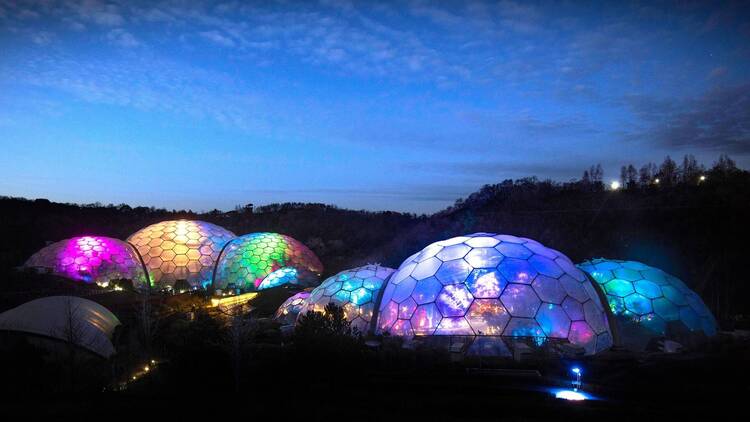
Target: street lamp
[577,382]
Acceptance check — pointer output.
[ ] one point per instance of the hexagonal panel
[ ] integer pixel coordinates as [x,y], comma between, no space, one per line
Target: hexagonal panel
[487,316]
[553,320]
[517,270]
[520,300]
[485,283]
[483,258]
[454,300]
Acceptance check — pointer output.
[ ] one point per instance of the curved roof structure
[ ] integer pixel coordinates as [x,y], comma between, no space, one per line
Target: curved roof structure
[258,261]
[67,318]
[181,250]
[356,290]
[648,303]
[485,284]
[92,259]
[288,311]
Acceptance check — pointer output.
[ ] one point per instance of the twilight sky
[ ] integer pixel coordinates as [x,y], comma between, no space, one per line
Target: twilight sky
[403,106]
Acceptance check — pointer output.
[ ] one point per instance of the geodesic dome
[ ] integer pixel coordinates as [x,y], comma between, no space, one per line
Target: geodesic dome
[72,319]
[288,311]
[648,303]
[180,250]
[505,286]
[91,259]
[258,261]
[355,290]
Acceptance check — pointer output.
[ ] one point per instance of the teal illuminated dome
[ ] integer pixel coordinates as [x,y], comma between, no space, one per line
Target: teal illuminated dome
[356,290]
[501,289]
[647,304]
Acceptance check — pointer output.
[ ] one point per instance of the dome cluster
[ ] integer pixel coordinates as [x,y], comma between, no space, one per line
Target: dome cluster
[91,259]
[648,303]
[196,252]
[259,261]
[181,250]
[498,290]
[356,291]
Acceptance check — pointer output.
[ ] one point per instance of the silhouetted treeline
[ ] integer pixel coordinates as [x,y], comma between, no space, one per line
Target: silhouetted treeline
[683,218]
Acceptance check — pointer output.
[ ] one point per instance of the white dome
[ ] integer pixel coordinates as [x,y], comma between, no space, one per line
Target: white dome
[87,323]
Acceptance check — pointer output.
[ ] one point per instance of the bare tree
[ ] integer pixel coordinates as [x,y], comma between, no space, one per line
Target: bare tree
[147,323]
[239,334]
[75,335]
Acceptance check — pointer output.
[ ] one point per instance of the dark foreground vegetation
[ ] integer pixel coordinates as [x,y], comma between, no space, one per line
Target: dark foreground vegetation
[210,363]
[215,365]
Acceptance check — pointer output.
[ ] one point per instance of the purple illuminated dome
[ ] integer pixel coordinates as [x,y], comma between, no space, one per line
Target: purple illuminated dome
[91,259]
[502,290]
[181,250]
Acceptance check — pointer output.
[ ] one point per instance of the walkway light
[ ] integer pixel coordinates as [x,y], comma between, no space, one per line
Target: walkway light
[577,381]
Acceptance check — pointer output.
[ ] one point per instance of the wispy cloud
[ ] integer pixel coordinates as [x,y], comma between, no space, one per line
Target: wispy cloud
[718,121]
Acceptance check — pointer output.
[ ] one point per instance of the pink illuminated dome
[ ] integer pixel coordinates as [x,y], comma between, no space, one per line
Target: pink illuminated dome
[92,259]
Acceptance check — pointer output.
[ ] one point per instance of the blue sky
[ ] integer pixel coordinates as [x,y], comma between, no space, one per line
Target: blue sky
[403,106]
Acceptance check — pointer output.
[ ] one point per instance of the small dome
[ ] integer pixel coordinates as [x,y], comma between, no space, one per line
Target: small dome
[89,324]
[260,261]
[648,303]
[91,259]
[288,311]
[355,290]
[180,250]
[494,285]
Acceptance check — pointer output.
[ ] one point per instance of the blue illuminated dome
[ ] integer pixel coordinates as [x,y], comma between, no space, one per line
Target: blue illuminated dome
[356,290]
[501,289]
[649,304]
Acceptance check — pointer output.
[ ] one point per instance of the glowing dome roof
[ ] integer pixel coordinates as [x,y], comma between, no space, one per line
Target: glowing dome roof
[91,259]
[287,312]
[259,261]
[89,324]
[494,285]
[649,303]
[355,290]
[180,250]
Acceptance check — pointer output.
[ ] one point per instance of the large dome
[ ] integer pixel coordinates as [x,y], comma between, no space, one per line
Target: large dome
[288,311]
[259,261]
[494,285]
[355,290]
[91,259]
[648,303]
[181,250]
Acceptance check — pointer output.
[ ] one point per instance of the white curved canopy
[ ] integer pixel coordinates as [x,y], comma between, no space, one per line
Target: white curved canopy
[67,318]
